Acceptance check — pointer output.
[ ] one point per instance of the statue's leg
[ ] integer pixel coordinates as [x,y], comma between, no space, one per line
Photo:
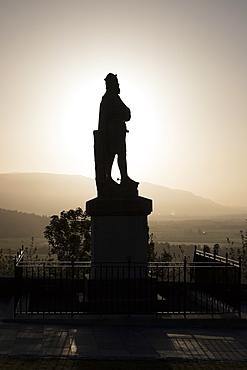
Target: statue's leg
[122,164]
[109,163]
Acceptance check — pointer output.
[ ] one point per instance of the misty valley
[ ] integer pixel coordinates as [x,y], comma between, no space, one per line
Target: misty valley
[177,237]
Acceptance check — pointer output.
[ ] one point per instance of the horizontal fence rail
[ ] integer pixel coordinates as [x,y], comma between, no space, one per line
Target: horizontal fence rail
[209,256]
[81,287]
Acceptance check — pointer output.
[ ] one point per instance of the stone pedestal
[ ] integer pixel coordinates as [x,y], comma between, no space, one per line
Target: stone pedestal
[119,233]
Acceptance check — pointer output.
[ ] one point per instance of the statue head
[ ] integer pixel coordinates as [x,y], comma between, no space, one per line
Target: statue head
[112,84]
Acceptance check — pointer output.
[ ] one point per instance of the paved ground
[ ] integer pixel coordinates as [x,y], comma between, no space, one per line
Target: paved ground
[123,342]
[124,339]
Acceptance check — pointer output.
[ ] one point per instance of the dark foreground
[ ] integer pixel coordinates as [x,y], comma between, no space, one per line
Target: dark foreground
[197,342]
[53,363]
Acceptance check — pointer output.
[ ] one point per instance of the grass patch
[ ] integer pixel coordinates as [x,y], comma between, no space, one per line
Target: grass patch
[23,363]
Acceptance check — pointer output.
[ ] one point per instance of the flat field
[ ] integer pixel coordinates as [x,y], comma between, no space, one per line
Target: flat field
[14,244]
[226,233]
[185,232]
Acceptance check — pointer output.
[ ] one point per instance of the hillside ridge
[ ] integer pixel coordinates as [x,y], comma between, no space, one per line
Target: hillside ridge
[16,224]
[48,194]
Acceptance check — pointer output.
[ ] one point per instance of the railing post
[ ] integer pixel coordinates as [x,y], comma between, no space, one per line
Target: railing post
[227,280]
[100,289]
[72,266]
[239,287]
[15,287]
[18,271]
[156,289]
[214,288]
[72,285]
[185,282]
[195,248]
[44,289]
[129,282]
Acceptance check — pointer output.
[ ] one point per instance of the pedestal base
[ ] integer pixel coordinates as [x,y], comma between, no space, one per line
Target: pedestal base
[121,296]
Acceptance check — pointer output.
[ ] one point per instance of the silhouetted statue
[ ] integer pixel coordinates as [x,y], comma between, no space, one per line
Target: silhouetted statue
[110,140]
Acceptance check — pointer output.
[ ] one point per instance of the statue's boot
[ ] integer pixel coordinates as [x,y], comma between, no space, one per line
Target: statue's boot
[111,182]
[126,180]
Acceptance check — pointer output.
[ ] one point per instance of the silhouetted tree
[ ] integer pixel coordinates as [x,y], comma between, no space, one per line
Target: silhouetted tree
[30,252]
[69,235]
[206,248]
[6,263]
[216,248]
[166,255]
[244,251]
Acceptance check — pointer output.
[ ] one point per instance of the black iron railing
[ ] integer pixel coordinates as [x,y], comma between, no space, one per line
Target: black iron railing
[222,280]
[81,288]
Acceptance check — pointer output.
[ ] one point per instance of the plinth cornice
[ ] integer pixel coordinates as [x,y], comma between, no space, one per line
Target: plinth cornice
[119,207]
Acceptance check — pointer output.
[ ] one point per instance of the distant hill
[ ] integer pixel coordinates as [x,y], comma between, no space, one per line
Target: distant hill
[44,194]
[48,194]
[15,224]
[173,203]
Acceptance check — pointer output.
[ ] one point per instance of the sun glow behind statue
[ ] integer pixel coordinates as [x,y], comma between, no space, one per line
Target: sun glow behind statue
[182,73]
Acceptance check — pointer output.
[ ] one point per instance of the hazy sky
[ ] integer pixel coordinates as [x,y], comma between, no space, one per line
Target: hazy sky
[182,68]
